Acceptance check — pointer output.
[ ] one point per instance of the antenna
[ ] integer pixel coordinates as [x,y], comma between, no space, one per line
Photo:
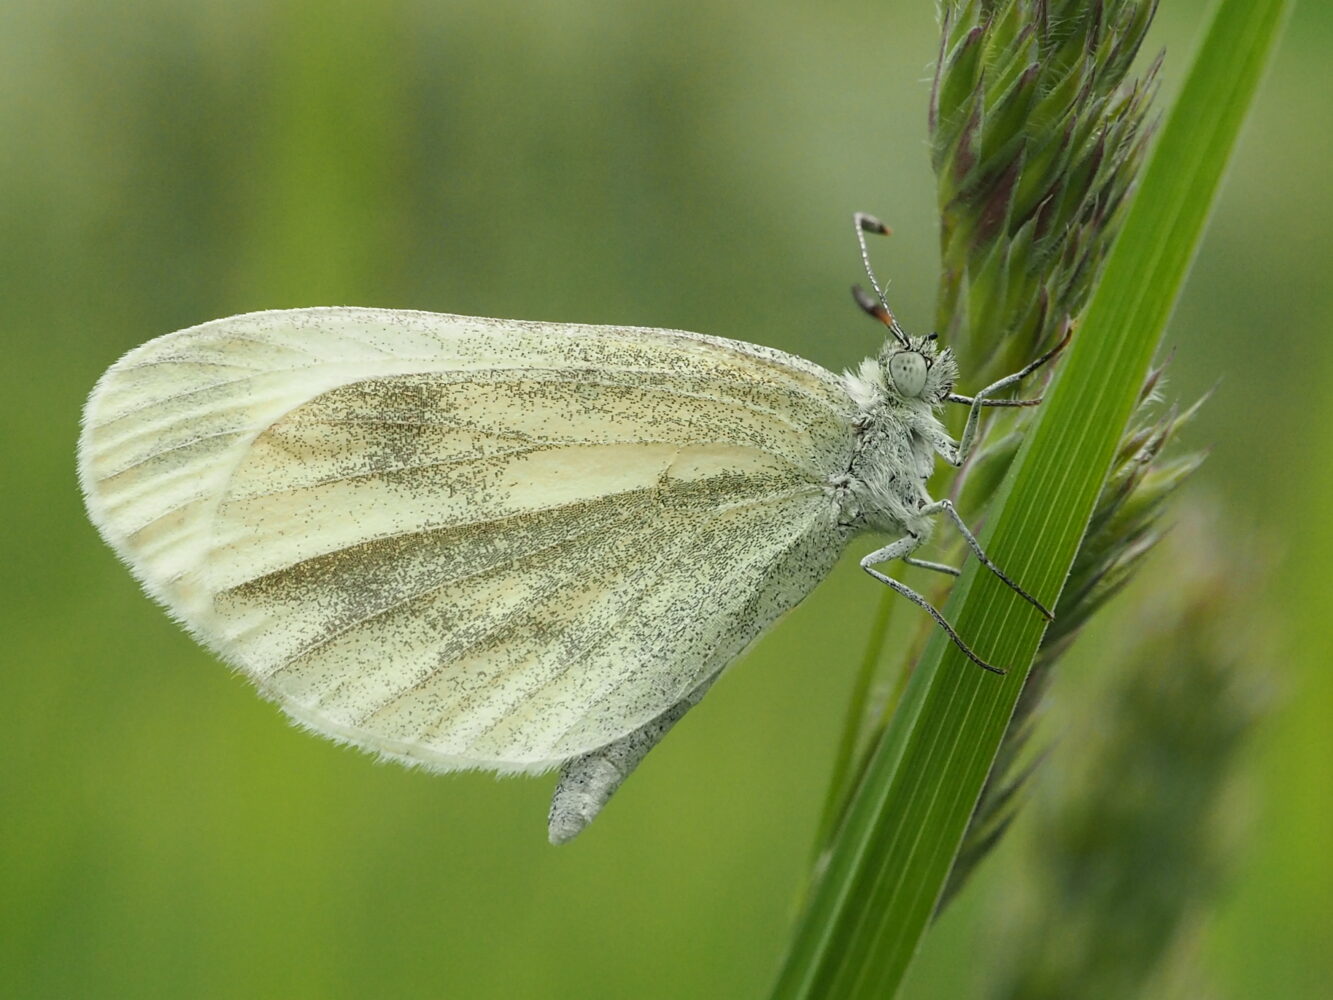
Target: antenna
[866,223]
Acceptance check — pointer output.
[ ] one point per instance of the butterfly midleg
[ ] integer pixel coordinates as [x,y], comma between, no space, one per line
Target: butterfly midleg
[588,781]
[947,507]
[936,567]
[900,549]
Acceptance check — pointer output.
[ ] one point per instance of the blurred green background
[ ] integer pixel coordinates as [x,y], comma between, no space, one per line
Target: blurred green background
[163,832]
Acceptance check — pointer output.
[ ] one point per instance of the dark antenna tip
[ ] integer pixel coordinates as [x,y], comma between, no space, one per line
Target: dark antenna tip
[872,306]
[870,224]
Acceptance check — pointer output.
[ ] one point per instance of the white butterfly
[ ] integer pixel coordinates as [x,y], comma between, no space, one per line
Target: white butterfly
[481,543]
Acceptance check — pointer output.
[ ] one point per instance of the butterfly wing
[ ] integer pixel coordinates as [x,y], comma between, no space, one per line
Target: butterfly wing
[467,542]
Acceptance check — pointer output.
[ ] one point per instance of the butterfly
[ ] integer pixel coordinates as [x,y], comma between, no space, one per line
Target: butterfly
[482,543]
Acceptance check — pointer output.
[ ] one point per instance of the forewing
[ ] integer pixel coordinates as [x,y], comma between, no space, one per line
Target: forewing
[462,541]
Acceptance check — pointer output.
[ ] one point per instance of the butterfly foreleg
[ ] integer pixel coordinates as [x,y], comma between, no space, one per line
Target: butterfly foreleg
[588,781]
[953,397]
[957,455]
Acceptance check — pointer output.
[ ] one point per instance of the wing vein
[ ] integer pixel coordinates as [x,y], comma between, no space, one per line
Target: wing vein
[167,451]
[496,628]
[592,642]
[614,687]
[305,651]
[173,397]
[596,639]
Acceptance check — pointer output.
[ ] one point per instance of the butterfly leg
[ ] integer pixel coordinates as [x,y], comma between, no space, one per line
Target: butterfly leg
[934,566]
[947,507]
[588,781]
[953,397]
[957,455]
[901,549]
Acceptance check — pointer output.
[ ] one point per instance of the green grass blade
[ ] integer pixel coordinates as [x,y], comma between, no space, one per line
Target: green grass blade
[845,760]
[892,856]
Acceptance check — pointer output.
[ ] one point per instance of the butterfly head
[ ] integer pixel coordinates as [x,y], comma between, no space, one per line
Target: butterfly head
[909,367]
[916,367]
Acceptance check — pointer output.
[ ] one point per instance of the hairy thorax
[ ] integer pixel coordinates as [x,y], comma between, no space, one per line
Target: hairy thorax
[884,487]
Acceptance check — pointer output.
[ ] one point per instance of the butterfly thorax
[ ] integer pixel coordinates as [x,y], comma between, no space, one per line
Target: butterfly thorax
[893,455]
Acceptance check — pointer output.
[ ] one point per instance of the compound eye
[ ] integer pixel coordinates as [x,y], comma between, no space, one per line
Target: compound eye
[907,369]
